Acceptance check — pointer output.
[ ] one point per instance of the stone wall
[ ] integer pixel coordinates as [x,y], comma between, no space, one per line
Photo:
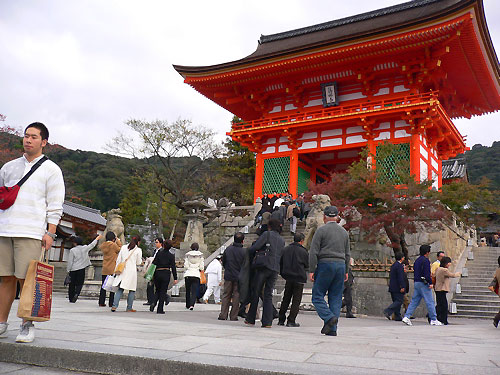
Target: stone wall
[451,239]
[370,294]
[224,226]
[370,291]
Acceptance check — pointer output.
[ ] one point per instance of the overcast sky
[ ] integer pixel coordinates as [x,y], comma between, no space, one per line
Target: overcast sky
[85,67]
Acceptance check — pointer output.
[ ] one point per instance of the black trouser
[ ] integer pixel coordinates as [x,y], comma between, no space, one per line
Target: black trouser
[161,279]
[395,306]
[102,294]
[442,307]
[293,292]
[263,278]
[192,284]
[348,297]
[76,284]
[150,291]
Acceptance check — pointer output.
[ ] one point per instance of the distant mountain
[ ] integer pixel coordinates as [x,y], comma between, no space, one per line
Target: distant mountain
[484,161]
[92,179]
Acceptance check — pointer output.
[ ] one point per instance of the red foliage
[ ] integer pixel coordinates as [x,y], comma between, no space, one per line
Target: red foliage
[372,206]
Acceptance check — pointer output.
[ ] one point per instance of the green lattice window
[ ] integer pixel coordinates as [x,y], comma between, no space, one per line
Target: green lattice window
[276,175]
[391,166]
[303,180]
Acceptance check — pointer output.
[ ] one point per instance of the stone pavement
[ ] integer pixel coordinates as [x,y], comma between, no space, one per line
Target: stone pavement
[85,337]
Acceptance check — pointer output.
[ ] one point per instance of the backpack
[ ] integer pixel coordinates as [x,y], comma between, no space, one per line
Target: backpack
[296,212]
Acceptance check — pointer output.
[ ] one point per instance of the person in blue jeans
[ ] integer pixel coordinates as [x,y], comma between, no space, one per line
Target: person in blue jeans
[422,288]
[329,257]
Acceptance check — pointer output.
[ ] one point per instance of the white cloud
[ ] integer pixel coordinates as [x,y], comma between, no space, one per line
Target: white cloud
[85,67]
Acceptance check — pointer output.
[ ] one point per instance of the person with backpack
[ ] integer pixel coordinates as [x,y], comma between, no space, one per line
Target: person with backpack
[265,254]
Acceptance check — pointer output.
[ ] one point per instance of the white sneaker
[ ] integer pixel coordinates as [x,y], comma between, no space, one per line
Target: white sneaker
[3,327]
[27,332]
[407,321]
[436,323]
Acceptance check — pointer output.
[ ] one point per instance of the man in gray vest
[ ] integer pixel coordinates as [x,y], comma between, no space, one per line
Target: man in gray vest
[329,258]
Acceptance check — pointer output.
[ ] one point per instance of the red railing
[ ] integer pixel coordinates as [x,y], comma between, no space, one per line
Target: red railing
[337,111]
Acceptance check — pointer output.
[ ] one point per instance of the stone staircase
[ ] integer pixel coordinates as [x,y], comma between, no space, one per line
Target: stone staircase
[476,300]
[280,282]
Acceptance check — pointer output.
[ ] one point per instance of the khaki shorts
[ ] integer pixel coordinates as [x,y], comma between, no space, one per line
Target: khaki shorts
[16,254]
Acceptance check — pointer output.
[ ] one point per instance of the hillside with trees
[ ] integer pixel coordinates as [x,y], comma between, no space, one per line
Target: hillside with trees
[483,161]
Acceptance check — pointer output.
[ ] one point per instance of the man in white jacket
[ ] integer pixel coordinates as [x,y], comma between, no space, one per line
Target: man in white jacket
[214,280]
[30,223]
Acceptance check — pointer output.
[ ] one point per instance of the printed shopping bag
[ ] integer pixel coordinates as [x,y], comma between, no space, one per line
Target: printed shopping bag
[150,272]
[108,283]
[36,297]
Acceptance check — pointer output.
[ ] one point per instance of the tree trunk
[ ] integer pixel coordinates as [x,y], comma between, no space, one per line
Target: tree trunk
[398,242]
[160,214]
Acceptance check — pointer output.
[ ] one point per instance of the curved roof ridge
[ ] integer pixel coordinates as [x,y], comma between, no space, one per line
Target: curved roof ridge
[343,21]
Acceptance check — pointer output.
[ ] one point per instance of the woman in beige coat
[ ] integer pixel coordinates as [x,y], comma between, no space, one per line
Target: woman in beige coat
[442,287]
[127,280]
[110,250]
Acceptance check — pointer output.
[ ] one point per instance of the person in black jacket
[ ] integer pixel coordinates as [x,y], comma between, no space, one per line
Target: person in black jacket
[267,249]
[294,265]
[232,260]
[165,263]
[397,287]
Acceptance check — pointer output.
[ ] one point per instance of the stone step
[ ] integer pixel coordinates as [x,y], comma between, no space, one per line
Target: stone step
[460,297]
[470,307]
[475,315]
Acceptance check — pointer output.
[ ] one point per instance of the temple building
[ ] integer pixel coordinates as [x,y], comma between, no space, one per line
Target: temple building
[310,99]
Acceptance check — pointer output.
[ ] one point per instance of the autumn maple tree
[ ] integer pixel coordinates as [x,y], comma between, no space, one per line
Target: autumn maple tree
[376,201]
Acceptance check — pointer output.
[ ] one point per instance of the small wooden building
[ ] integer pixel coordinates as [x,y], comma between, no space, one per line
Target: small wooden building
[76,218]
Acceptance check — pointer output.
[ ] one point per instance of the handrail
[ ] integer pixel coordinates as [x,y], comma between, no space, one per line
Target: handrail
[217,252]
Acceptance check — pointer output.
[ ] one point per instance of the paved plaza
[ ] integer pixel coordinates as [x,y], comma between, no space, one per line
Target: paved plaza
[85,337]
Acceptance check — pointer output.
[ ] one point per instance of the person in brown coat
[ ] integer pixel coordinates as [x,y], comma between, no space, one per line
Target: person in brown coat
[442,287]
[495,283]
[110,250]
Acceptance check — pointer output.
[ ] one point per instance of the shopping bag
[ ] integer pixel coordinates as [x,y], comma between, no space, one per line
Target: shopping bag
[108,283]
[36,296]
[203,278]
[150,272]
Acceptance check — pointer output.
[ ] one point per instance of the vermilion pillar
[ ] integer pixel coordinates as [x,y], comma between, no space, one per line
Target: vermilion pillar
[294,173]
[259,176]
[415,156]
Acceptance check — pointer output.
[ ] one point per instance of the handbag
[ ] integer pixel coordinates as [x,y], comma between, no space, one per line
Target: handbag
[203,277]
[36,297]
[261,256]
[8,195]
[494,286]
[121,266]
[67,280]
[150,272]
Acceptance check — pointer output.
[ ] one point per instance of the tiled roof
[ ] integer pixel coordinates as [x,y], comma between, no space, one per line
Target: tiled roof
[454,168]
[85,213]
[345,21]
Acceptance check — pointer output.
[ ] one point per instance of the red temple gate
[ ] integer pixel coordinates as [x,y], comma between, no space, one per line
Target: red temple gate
[312,98]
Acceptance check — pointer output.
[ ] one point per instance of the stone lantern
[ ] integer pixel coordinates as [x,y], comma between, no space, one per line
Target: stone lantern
[194,230]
